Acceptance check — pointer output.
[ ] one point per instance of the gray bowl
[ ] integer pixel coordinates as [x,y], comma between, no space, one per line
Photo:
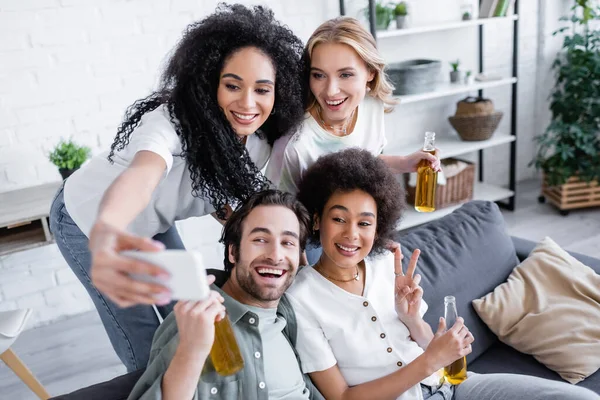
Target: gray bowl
[414,76]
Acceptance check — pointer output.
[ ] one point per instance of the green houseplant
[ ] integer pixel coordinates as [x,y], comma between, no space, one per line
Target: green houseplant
[68,157]
[570,146]
[384,13]
[455,73]
[400,12]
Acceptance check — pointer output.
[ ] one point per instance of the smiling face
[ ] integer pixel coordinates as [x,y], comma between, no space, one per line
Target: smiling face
[269,254]
[347,229]
[246,92]
[338,80]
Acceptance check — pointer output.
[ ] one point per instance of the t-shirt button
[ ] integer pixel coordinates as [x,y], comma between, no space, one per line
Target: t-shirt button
[399,363]
[261,385]
[213,390]
[257,354]
[373,318]
[366,304]
[252,321]
[382,336]
[389,349]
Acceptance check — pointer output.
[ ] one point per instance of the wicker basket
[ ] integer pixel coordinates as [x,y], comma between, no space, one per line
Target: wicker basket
[476,127]
[457,190]
[474,105]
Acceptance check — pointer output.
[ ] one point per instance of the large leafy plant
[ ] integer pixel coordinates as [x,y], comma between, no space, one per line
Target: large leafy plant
[570,146]
[68,155]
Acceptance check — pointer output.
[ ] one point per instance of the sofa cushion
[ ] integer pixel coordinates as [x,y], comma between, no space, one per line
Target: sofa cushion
[503,359]
[465,254]
[549,308]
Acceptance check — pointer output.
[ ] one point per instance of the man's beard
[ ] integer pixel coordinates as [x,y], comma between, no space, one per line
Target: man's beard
[246,281]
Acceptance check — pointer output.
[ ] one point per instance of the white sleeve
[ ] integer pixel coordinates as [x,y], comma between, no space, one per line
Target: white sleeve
[156,134]
[383,139]
[290,172]
[311,344]
[423,308]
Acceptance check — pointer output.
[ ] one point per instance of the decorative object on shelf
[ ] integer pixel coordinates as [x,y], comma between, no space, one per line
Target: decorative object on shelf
[481,77]
[475,119]
[414,76]
[68,157]
[400,12]
[468,77]
[460,181]
[384,13]
[569,150]
[455,74]
[495,8]
[466,11]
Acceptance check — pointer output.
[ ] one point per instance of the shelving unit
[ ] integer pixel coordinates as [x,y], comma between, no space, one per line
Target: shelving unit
[454,146]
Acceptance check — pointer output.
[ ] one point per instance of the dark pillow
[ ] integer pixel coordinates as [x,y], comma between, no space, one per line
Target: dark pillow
[465,254]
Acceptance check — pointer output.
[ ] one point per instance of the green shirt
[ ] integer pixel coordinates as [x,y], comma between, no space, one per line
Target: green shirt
[247,384]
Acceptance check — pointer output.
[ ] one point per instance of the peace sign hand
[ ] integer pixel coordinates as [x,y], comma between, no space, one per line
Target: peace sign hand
[408,293]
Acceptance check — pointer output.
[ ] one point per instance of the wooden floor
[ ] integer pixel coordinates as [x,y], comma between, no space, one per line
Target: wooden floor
[75,353]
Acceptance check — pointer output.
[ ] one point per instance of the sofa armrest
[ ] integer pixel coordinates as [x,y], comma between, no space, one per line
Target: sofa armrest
[523,247]
[116,389]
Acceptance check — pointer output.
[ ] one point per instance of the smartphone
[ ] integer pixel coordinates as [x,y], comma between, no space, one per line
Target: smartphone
[188,274]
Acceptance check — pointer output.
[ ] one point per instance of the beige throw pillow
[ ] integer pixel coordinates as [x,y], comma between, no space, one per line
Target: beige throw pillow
[549,308]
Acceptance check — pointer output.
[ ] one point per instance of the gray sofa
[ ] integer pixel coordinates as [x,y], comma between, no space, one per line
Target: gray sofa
[465,254]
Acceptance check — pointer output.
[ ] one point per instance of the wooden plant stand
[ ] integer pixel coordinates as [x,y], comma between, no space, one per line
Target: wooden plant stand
[571,195]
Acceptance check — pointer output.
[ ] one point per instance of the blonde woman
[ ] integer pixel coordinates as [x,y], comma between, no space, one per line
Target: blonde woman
[349,94]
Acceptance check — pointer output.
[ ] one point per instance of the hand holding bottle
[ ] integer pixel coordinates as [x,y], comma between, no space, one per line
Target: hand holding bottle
[413,160]
[448,346]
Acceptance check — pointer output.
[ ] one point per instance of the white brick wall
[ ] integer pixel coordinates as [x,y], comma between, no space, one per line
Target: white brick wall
[70,68]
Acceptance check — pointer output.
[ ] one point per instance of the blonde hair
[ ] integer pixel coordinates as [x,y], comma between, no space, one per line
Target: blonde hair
[349,31]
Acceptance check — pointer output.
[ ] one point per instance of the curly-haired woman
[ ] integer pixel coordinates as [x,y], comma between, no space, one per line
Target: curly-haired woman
[361,333]
[192,148]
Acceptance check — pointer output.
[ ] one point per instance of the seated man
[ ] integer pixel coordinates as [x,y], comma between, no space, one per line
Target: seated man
[263,242]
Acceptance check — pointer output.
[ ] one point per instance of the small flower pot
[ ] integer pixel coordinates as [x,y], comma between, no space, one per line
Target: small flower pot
[455,76]
[400,21]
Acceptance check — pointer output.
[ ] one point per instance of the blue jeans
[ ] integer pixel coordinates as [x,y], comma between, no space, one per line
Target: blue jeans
[131,329]
[509,387]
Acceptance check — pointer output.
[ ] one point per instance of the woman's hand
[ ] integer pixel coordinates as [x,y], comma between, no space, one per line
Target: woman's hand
[110,272]
[448,346]
[196,323]
[407,292]
[412,161]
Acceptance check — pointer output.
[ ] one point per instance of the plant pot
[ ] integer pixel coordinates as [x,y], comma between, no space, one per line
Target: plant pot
[414,76]
[400,21]
[574,194]
[455,76]
[65,173]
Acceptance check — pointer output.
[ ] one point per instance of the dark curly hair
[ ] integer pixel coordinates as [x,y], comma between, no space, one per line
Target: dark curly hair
[232,231]
[348,170]
[219,164]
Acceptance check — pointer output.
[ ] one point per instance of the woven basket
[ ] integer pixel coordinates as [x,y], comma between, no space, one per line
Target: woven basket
[457,190]
[476,127]
[474,105]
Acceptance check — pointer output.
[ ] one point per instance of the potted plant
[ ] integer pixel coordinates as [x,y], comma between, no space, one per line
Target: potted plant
[384,13]
[68,157]
[400,12]
[468,77]
[455,73]
[568,151]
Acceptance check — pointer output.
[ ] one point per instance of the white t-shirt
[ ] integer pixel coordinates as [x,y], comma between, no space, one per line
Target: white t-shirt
[362,334]
[300,150]
[172,199]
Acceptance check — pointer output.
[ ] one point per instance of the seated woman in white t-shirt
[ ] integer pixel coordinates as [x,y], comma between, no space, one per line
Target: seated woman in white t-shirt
[187,150]
[349,94]
[361,333]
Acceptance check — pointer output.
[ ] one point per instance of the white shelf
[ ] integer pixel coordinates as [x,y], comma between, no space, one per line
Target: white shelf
[453,146]
[448,89]
[482,191]
[443,26]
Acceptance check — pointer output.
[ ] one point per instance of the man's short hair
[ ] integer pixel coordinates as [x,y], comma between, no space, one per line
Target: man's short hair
[232,231]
